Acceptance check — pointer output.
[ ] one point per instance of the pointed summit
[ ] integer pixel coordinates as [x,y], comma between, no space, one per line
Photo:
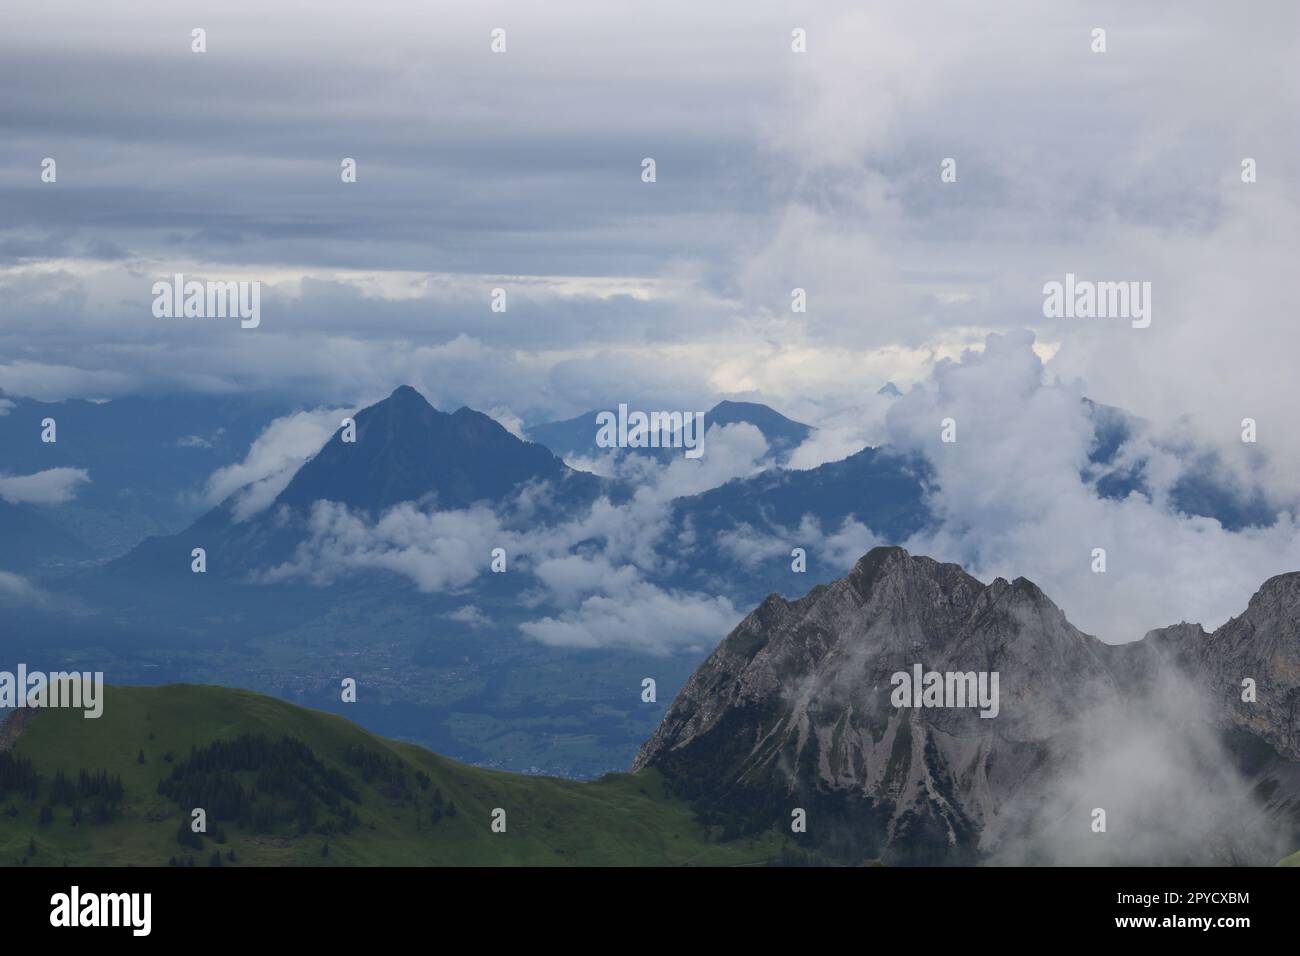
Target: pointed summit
[405,396]
[782,434]
[1281,588]
[407,450]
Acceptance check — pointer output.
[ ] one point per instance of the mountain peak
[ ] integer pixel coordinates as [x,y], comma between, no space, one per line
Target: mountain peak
[906,573]
[406,395]
[877,564]
[796,702]
[578,435]
[407,450]
[1027,587]
[1279,587]
[883,556]
[780,432]
[728,407]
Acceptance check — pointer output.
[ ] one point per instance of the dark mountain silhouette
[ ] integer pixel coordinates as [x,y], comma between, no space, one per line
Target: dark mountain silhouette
[882,490]
[408,451]
[405,451]
[783,435]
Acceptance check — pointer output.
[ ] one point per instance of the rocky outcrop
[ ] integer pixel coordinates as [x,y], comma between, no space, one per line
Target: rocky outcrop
[794,709]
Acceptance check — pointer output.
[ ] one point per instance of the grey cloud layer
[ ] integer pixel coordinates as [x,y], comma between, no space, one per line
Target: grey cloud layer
[775,171]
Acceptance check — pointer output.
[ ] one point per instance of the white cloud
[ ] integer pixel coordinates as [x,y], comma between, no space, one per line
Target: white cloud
[837,551]
[54,486]
[437,551]
[843,432]
[593,564]
[1165,779]
[50,382]
[1009,498]
[645,618]
[569,577]
[272,460]
[820,171]
[508,420]
[1010,501]
[472,615]
[17,590]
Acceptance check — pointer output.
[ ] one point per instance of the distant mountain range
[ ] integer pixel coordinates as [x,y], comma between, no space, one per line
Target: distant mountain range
[795,710]
[458,671]
[405,451]
[408,451]
[576,437]
[1196,490]
[147,461]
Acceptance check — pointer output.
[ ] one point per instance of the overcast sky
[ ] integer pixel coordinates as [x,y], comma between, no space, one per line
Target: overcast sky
[775,170]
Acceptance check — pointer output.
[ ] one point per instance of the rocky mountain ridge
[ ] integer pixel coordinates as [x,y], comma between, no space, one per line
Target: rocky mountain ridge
[794,710]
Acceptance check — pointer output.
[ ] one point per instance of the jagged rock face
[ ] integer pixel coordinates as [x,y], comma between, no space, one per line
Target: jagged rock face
[794,708]
[796,702]
[1263,645]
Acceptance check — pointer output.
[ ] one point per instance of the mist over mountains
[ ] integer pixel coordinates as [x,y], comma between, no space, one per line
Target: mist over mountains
[405,452]
[575,438]
[374,558]
[793,711]
[131,467]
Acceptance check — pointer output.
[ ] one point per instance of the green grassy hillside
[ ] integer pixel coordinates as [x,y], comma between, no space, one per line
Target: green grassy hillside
[369,800]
